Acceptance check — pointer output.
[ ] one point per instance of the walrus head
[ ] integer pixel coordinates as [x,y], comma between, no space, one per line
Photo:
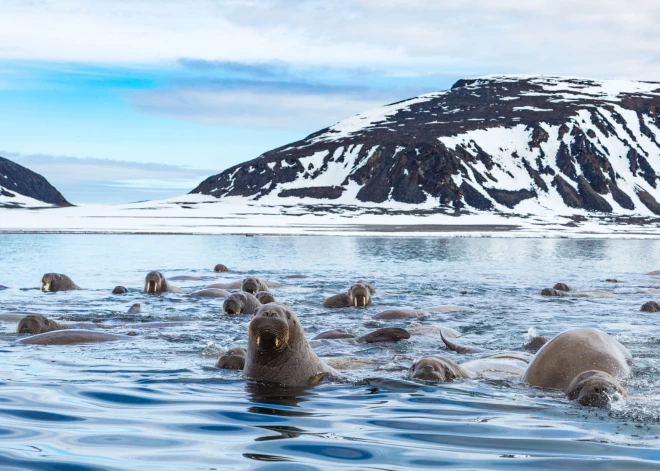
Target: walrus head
[154,283]
[49,282]
[271,328]
[234,304]
[233,359]
[361,293]
[595,388]
[37,324]
[265,297]
[220,267]
[536,343]
[439,369]
[135,308]
[119,290]
[251,285]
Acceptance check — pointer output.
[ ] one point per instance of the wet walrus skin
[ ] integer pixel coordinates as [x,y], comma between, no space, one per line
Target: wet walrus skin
[155,283]
[233,359]
[71,336]
[574,352]
[38,324]
[241,303]
[278,351]
[359,295]
[54,282]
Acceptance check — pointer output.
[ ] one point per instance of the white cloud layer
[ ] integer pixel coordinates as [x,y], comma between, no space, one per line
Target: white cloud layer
[600,38]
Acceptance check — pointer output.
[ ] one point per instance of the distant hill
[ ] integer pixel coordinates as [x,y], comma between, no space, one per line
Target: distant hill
[502,144]
[20,187]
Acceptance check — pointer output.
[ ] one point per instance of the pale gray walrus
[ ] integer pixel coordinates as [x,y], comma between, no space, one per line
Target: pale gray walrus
[250,284]
[155,283]
[209,293]
[53,282]
[585,363]
[534,344]
[241,303]
[278,351]
[233,359]
[358,295]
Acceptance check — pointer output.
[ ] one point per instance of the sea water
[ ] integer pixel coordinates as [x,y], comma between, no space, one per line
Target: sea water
[157,401]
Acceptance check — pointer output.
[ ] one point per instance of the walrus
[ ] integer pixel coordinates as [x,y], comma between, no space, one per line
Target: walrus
[536,343]
[335,334]
[253,285]
[403,313]
[135,308]
[220,267]
[595,388]
[119,290]
[359,295]
[209,293]
[440,369]
[575,351]
[188,278]
[562,287]
[651,306]
[155,283]
[53,282]
[265,297]
[278,351]
[553,292]
[241,303]
[38,324]
[233,359]
[71,336]
[387,334]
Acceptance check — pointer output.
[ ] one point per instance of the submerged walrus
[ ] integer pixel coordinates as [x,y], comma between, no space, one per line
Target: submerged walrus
[438,368]
[265,297]
[38,324]
[387,334]
[241,303]
[119,290]
[402,313]
[71,336]
[220,268]
[359,295]
[233,359]
[253,285]
[577,351]
[210,293]
[155,283]
[53,282]
[278,350]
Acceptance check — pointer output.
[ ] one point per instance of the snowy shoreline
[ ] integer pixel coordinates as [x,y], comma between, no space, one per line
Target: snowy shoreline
[203,215]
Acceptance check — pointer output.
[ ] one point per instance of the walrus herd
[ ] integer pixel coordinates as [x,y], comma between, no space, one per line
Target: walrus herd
[586,364]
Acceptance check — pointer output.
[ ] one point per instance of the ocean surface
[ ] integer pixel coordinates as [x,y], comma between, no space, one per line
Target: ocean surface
[157,401]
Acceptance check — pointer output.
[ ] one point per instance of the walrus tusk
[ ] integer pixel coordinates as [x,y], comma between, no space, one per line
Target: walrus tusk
[277,342]
[355,302]
[258,339]
[46,287]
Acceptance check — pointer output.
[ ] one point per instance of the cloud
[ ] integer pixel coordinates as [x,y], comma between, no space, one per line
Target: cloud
[90,180]
[601,38]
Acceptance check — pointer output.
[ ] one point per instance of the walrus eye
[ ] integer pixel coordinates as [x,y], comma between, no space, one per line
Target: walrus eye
[288,316]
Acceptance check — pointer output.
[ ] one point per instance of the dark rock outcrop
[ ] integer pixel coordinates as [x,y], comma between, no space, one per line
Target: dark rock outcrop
[15,178]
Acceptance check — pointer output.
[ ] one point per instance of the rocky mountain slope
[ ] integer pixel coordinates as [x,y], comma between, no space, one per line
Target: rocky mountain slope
[20,187]
[503,144]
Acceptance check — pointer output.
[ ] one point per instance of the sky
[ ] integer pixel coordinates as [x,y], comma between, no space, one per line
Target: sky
[130,100]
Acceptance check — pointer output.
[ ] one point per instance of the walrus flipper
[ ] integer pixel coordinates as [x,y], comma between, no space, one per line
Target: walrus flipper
[458,348]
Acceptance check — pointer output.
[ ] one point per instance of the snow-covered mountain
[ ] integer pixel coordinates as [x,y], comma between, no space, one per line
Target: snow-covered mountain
[22,188]
[503,144]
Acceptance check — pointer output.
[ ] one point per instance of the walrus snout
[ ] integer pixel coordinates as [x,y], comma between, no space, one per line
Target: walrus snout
[269,330]
[427,372]
[231,306]
[37,324]
[233,359]
[595,388]
[361,295]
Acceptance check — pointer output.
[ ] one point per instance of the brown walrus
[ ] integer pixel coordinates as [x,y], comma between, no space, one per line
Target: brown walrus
[278,350]
[574,352]
[387,334]
[562,287]
[651,306]
[595,388]
[265,297]
[155,283]
[253,285]
[437,368]
[359,295]
[53,282]
[220,267]
[233,359]
[241,303]
[119,290]
[335,334]
[38,324]
[71,336]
